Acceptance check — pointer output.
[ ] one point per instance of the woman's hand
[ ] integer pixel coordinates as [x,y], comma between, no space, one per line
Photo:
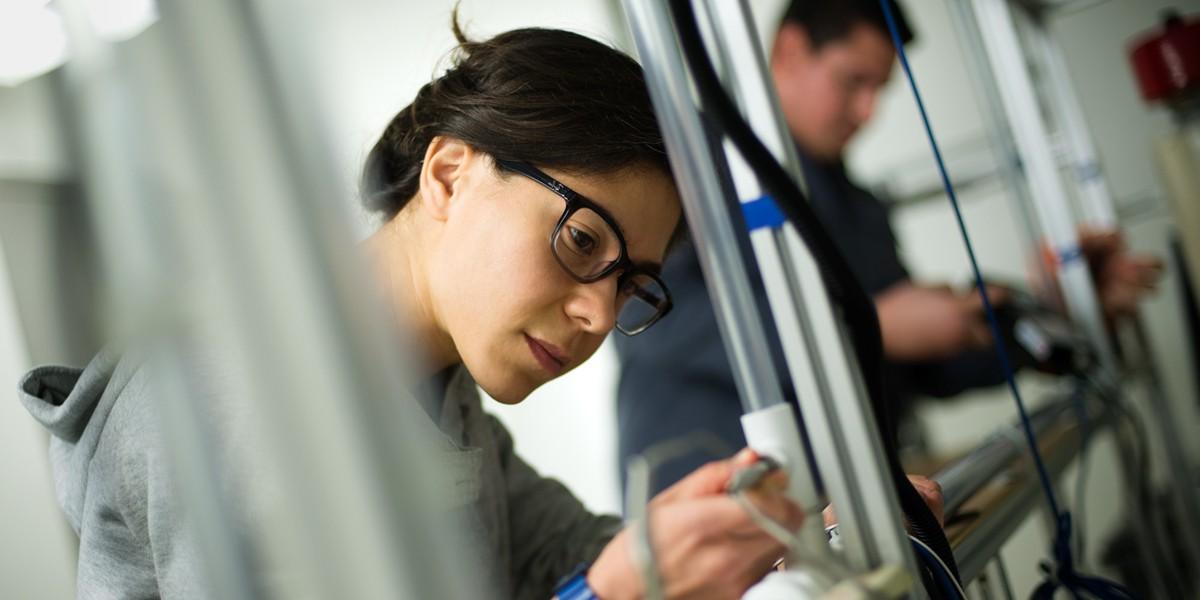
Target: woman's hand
[931,493]
[705,545]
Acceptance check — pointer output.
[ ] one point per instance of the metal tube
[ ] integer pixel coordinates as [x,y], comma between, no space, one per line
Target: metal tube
[749,83]
[1099,210]
[965,476]
[695,162]
[250,242]
[703,195]
[1095,196]
[1046,188]
[1000,135]
[992,529]
[845,442]
[824,371]
[1002,577]
[98,118]
[997,28]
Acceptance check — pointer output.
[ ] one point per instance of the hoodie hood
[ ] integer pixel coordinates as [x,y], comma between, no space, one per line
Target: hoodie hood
[73,404]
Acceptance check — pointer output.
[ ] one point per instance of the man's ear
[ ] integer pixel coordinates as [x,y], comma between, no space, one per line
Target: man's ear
[791,44]
[446,161]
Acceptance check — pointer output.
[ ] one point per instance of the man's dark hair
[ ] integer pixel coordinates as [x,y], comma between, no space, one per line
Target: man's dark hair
[831,20]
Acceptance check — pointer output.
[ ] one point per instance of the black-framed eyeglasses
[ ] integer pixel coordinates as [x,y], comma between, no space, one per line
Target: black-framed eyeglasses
[589,246]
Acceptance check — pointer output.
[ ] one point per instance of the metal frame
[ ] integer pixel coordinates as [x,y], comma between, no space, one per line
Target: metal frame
[828,384]
[840,425]
[815,348]
[991,34]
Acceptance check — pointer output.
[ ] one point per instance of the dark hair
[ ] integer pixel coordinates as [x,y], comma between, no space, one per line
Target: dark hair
[831,20]
[545,96]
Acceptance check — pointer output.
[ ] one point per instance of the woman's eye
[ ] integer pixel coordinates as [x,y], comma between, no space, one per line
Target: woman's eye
[583,242]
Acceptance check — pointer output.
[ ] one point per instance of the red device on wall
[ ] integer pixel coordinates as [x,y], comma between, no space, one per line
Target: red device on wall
[1167,61]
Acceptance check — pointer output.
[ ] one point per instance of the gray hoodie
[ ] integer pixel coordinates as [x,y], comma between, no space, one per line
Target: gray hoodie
[113,483]
[111,480]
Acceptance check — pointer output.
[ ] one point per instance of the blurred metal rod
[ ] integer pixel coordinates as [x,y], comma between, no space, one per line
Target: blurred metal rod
[980,540]
[242,246]
[995,456]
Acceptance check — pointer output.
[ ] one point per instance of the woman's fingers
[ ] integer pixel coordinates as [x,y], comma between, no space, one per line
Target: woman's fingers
[710,479]
[707,544]
[931,492]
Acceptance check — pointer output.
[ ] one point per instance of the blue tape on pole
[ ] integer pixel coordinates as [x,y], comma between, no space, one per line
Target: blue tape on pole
[1088,171]
[762,212]
[1069,255]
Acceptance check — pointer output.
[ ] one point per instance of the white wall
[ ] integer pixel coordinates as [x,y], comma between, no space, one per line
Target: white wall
[36,545]
[29,145]
[36,549]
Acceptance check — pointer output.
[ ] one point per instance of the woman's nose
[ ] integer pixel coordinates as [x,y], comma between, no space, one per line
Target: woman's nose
[594,305]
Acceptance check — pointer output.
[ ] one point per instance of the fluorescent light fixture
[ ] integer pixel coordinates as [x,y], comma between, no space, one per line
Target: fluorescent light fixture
[119,20]
[33,40]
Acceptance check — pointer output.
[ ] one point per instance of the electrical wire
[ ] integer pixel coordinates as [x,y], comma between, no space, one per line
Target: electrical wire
[1080,499]
[943,575]
[858,310]
[1064,574]
[1137,442]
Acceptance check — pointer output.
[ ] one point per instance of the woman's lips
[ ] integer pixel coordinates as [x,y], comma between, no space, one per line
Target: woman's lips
[549,357]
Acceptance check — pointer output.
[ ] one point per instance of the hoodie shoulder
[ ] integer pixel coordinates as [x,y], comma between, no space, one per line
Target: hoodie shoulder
[63,399]
[111,478]
[74,406]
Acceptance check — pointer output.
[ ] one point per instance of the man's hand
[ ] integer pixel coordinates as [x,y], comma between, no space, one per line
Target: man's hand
[932,323]
[1122,278]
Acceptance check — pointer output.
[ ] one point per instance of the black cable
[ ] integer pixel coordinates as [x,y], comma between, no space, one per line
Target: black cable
[857,309]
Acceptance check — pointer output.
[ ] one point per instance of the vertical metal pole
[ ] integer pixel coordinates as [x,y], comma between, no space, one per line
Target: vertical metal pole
[1099,210]
[694,162]
[98,121]
[1001,573]
[1096,198]
[828,385]
[981,588]
[353,512]
[1004,147]
[1001,65]
[841,429]
[1046,188]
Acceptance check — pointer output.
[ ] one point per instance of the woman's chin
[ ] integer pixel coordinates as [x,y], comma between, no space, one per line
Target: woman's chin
[508,392]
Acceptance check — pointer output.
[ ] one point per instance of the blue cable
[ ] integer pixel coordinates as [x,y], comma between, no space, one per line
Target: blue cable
[1064,574]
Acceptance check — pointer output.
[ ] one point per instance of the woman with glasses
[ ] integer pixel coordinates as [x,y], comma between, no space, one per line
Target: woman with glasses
[525,205]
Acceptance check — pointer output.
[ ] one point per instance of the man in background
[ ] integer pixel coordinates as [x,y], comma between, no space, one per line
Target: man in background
[830,60]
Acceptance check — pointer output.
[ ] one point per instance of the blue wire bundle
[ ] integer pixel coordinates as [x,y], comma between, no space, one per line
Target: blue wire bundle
[1063,573]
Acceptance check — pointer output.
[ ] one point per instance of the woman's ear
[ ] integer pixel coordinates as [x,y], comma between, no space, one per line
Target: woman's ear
[446,160]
